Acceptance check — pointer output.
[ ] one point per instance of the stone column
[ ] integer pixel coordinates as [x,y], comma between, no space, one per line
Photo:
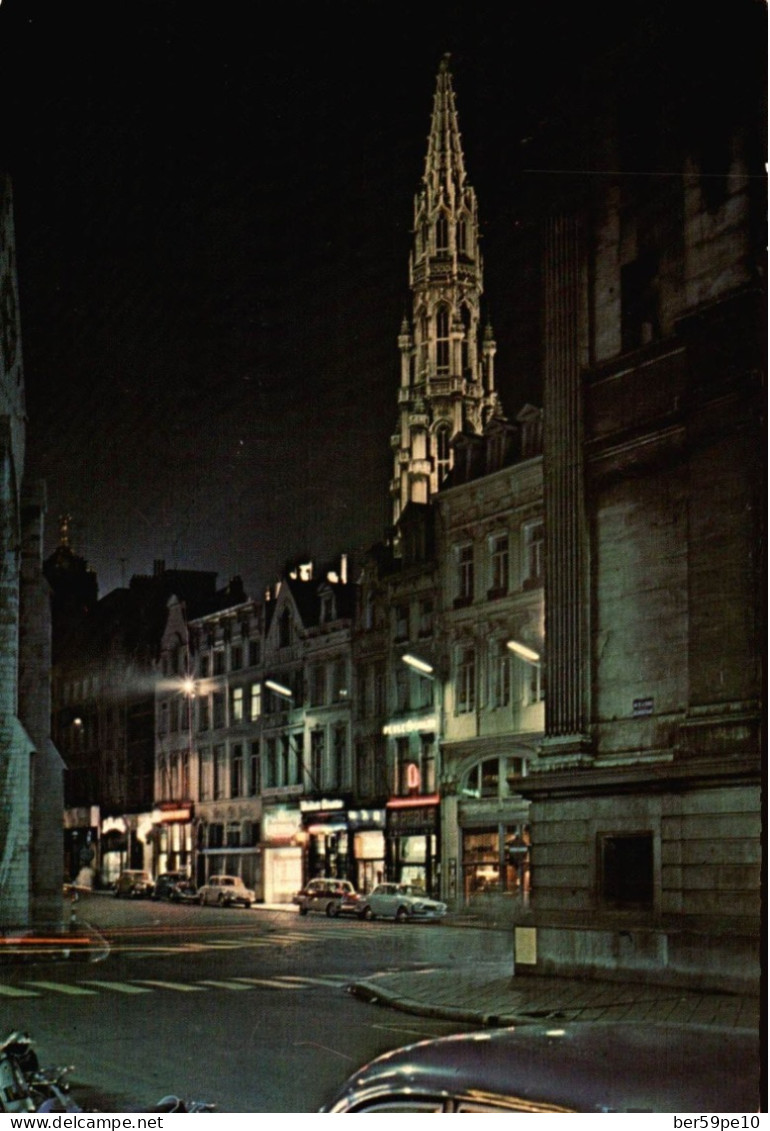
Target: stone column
[566,586]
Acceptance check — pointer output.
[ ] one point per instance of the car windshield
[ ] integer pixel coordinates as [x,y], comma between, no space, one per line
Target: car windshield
[410,889]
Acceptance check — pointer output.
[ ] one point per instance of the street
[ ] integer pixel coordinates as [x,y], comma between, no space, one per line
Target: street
[246,1009]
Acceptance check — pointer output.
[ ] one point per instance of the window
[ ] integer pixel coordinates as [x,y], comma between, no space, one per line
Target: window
[233,834]
[327,608]
[236,771]
[204,665]
[462,236]
[442,341]
[339,679]
[427,763]
[219,662]
[640,301]
[236,657]
[253,653]
[626,870]
[404,761]
[498,564]
[465,680]
[204,776]
[465,575]
[218,709]
[534,553]
[339,754]
[254,768]
[442,233]
[271,763]
[286,760]
[402,688]
[255,701]
[204,713]
[443,452]
[219,772]
[316,758]
[401,613]
[236,705]
[317,685]
[499,673]
[425,625]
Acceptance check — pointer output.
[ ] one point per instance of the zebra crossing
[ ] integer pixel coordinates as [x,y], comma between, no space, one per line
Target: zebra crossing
[92,987]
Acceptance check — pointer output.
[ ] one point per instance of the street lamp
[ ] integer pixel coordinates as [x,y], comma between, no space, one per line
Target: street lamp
[279,689]
[421,666]
[524,653]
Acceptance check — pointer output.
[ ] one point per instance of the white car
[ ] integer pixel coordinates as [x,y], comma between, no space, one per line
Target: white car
[226,891]
[400,902]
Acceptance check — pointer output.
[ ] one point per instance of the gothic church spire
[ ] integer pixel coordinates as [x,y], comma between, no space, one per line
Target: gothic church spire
[447,364]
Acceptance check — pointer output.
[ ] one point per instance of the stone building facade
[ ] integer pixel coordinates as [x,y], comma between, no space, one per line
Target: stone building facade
[31,792]
[646,802]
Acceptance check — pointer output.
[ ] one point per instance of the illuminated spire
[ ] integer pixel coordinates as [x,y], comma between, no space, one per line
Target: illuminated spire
[447,375]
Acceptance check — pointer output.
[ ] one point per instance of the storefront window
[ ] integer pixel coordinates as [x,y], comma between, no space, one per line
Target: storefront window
[496,859]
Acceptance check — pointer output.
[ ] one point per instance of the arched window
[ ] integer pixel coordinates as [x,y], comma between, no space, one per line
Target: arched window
[443,452]
[494,777]
[465,315]
[442,234]
[442,340]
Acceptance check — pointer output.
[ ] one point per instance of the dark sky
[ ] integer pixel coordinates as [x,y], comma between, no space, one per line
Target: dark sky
[213,207]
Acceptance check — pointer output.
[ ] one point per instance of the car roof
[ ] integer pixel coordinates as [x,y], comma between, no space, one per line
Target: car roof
[584,1067]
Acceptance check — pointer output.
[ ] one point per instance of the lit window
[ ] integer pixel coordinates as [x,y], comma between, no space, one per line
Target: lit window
[237,705]
[255,704]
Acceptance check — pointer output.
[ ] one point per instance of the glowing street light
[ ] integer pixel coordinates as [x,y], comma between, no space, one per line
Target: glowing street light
[279,689]
[524,653]
[419,665]
[188,687]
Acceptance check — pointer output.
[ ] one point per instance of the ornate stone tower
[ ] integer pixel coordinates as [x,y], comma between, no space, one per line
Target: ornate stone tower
[447,362]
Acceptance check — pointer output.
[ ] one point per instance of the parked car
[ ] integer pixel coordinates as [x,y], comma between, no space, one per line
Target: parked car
[225,891]
[135,883]
[185,891]
[583,1067]
[166,882]
[400,902]
[328,896]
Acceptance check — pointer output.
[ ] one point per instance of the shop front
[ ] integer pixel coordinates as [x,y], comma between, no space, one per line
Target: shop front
[412,841]
[326,836]
[282,837]
[173,837]
[367,832]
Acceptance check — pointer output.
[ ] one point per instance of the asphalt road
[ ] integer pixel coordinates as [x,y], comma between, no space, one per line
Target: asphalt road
[247,1009]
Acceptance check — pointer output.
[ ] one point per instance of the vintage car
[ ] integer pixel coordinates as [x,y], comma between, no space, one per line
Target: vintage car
[400,902]
[327,896]
[134,883]
[225,891]
[581,1067]
[166,883]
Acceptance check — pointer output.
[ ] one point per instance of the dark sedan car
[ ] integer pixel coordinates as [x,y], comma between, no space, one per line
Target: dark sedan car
[166,883]
[581,1067]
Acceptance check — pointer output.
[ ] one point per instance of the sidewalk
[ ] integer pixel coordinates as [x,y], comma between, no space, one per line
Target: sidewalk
[491,995]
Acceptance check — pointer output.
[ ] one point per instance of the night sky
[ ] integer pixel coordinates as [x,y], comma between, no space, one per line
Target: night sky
[213,206]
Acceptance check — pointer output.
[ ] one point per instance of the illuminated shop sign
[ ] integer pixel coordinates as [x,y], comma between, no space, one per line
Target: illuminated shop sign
[409,726]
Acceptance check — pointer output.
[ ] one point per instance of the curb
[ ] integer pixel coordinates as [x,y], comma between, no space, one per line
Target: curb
[374,995]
